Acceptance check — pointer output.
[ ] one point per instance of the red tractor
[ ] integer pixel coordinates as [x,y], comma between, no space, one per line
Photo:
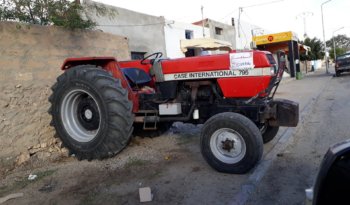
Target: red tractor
[98,102]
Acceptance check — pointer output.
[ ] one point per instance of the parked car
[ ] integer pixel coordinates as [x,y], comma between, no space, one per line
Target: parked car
[342,64]
[333,180]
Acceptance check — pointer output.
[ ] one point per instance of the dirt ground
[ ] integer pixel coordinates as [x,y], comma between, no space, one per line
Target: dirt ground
[111,181]
[171,165]
[28,146]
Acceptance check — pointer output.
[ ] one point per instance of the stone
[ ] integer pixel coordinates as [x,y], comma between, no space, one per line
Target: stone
[65,152]
[43,145]
[52,141]
[34,150]
[43,155]
[145,194]
[36,146]
[51,149]
[22,158]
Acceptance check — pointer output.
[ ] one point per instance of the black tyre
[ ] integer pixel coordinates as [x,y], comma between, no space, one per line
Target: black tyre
[91,112]
[337,73]
[162,127]
[268,133]
[231,143]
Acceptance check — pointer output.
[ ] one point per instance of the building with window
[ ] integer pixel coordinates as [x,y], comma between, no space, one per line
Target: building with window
[175,32]
[220,31]
[147,34]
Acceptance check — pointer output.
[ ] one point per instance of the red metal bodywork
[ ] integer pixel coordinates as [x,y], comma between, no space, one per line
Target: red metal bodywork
[238,87]
[110,64]
[235,87]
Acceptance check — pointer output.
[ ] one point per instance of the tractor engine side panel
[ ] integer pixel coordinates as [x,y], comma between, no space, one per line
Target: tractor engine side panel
[244,86]
[233,82]
[195,64]
[208,63]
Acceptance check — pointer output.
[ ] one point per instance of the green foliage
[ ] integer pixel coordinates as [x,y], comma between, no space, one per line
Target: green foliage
[65,13]
[316,52]
[70,17]
[342,44]
[338,51]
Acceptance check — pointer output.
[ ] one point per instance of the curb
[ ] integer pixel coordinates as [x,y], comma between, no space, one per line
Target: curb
[285,140]
[289,79]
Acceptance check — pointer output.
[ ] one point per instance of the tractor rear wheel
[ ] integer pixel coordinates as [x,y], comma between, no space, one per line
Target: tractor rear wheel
[91,112]
[231,143]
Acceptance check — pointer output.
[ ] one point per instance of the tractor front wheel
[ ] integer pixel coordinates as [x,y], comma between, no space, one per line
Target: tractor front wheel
[91,112]
[231,143]
[268,132]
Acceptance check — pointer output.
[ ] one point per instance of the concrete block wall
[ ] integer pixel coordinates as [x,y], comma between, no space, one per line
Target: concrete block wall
[30,61]
[35,53]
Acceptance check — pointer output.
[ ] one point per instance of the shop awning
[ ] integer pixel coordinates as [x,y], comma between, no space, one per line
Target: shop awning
[205,44]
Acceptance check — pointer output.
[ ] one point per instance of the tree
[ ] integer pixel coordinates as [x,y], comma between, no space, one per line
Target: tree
[69,14]
[316,52]
[342,44]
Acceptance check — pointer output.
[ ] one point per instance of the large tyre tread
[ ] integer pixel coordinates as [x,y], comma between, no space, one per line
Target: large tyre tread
[119,108]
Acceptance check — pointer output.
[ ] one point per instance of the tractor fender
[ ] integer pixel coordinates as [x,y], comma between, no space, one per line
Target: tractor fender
[109,64]
[98,61]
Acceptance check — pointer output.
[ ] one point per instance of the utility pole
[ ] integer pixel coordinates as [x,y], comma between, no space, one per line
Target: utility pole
[202,8]
[304,15]
[240,10]
[324,38]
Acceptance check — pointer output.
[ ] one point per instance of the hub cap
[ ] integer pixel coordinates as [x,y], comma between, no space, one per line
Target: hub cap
[80,115]
[227,145]
[88,114]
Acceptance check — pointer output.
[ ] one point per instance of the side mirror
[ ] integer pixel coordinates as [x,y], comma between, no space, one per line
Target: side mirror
[333,179]
[281,59]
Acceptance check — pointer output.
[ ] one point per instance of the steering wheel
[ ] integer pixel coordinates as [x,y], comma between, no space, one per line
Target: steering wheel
[156,55]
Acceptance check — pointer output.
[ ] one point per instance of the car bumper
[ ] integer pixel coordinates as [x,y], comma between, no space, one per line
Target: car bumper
[343,68]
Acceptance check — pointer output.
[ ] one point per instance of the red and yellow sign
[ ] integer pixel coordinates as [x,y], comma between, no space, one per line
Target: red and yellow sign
[275,38]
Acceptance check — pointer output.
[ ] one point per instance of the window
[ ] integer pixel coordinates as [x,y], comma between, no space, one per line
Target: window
[137,55]
[343,56]
[218,31]
[188,34]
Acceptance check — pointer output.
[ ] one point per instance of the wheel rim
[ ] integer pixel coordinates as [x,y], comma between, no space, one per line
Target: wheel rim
[80,115]
[228,145]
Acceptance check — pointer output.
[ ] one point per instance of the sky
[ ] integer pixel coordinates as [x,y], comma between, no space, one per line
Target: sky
[270,15]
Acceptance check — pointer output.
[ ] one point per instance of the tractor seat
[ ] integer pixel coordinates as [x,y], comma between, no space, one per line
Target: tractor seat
[136,76]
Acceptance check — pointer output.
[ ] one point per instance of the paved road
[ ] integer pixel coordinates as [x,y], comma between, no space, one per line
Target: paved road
[296,167]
